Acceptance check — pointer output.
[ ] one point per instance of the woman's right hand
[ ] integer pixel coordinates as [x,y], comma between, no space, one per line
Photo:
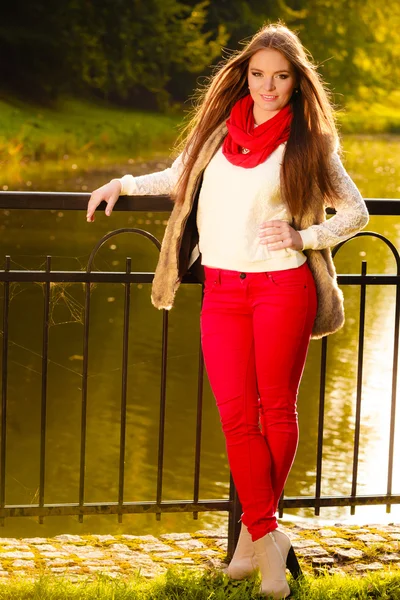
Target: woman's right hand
[110,192]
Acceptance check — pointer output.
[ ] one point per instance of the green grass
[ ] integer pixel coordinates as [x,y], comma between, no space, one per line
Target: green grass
[180,584]
[78,129]
[371,117]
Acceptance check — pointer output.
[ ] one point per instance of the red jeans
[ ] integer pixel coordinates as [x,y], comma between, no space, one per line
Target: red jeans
[255,333]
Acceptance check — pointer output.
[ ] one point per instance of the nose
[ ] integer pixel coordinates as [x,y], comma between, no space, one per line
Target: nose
[269,84]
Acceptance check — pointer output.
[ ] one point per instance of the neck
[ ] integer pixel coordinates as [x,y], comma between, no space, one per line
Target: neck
[261,116]
[264,119]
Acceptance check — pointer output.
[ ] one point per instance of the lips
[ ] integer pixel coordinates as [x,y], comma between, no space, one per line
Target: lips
[268,97]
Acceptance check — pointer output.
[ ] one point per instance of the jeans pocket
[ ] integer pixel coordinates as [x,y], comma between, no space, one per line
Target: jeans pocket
[289,278]
[210,284]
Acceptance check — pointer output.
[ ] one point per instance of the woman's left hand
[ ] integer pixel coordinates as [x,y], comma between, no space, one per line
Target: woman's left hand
[279,234]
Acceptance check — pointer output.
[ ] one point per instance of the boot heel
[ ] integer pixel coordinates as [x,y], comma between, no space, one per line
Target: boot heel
[293,564]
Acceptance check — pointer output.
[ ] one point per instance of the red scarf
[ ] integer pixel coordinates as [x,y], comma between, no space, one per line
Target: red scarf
[259,142]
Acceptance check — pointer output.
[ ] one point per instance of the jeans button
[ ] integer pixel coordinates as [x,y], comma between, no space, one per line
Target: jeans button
[242,275]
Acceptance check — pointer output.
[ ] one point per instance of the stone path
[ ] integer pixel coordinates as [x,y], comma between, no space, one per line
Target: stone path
[341,548]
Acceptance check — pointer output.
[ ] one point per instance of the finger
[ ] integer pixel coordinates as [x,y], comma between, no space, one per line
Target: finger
[273,231]
[280,245]
[91,207]
[275,223]
[277,230]
[93,203]
[110,205]
[275,237]
[269,239]
[90,214]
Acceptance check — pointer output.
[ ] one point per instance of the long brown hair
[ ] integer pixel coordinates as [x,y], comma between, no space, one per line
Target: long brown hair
[313,133]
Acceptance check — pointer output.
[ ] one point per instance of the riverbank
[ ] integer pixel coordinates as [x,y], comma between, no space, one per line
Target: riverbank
[83,135]
[371,117]
[78,131]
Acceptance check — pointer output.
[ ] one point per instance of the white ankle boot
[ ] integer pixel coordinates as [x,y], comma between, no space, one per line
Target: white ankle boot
[271,554]
[243,561]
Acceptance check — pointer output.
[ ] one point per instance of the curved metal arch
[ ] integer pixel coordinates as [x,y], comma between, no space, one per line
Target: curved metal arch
[373,234]
[103,240]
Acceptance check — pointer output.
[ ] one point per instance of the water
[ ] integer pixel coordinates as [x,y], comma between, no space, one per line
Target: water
[28,236]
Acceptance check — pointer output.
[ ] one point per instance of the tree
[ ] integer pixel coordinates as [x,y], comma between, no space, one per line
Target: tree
[356,43]
[33,59]
[128,47]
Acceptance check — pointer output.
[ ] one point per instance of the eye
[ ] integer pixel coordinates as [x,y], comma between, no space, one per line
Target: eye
[282,75]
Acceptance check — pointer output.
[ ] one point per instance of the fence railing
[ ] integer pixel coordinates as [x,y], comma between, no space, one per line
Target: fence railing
[194,505]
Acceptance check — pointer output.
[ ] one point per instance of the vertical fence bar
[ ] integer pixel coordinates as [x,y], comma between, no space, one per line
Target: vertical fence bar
[394,395]
[361,330]
[199,417]
[82,463]
[321,416]
[280,504]
[43,411]
[4,366]
[124,390]
[161,429]
[234,522]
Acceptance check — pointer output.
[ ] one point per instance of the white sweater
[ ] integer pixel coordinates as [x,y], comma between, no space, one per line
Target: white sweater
[234,201]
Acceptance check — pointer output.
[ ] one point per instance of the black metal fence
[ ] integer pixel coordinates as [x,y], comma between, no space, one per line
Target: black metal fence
[78,201]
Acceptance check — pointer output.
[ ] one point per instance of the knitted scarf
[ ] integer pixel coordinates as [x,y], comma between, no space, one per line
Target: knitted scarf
[247,146]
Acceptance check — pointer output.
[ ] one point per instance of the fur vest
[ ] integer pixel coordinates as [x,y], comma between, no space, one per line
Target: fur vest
[181,236]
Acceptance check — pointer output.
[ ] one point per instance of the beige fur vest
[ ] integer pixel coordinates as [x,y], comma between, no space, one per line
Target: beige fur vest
[181,236]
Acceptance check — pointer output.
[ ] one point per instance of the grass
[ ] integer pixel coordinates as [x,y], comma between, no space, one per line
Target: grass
[79,130]
[372,117]
[182,584]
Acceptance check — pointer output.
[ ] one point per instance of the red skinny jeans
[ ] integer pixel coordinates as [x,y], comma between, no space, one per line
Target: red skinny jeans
[255,333]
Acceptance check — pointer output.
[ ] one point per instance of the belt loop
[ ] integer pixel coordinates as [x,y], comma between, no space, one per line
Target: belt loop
[218,276]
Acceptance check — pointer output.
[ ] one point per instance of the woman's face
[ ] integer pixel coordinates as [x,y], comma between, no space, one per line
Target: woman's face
[271,81]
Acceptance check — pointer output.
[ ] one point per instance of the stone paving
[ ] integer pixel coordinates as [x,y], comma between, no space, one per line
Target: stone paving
[339,548]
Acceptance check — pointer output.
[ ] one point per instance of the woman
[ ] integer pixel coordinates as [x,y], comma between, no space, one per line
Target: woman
[260,163]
